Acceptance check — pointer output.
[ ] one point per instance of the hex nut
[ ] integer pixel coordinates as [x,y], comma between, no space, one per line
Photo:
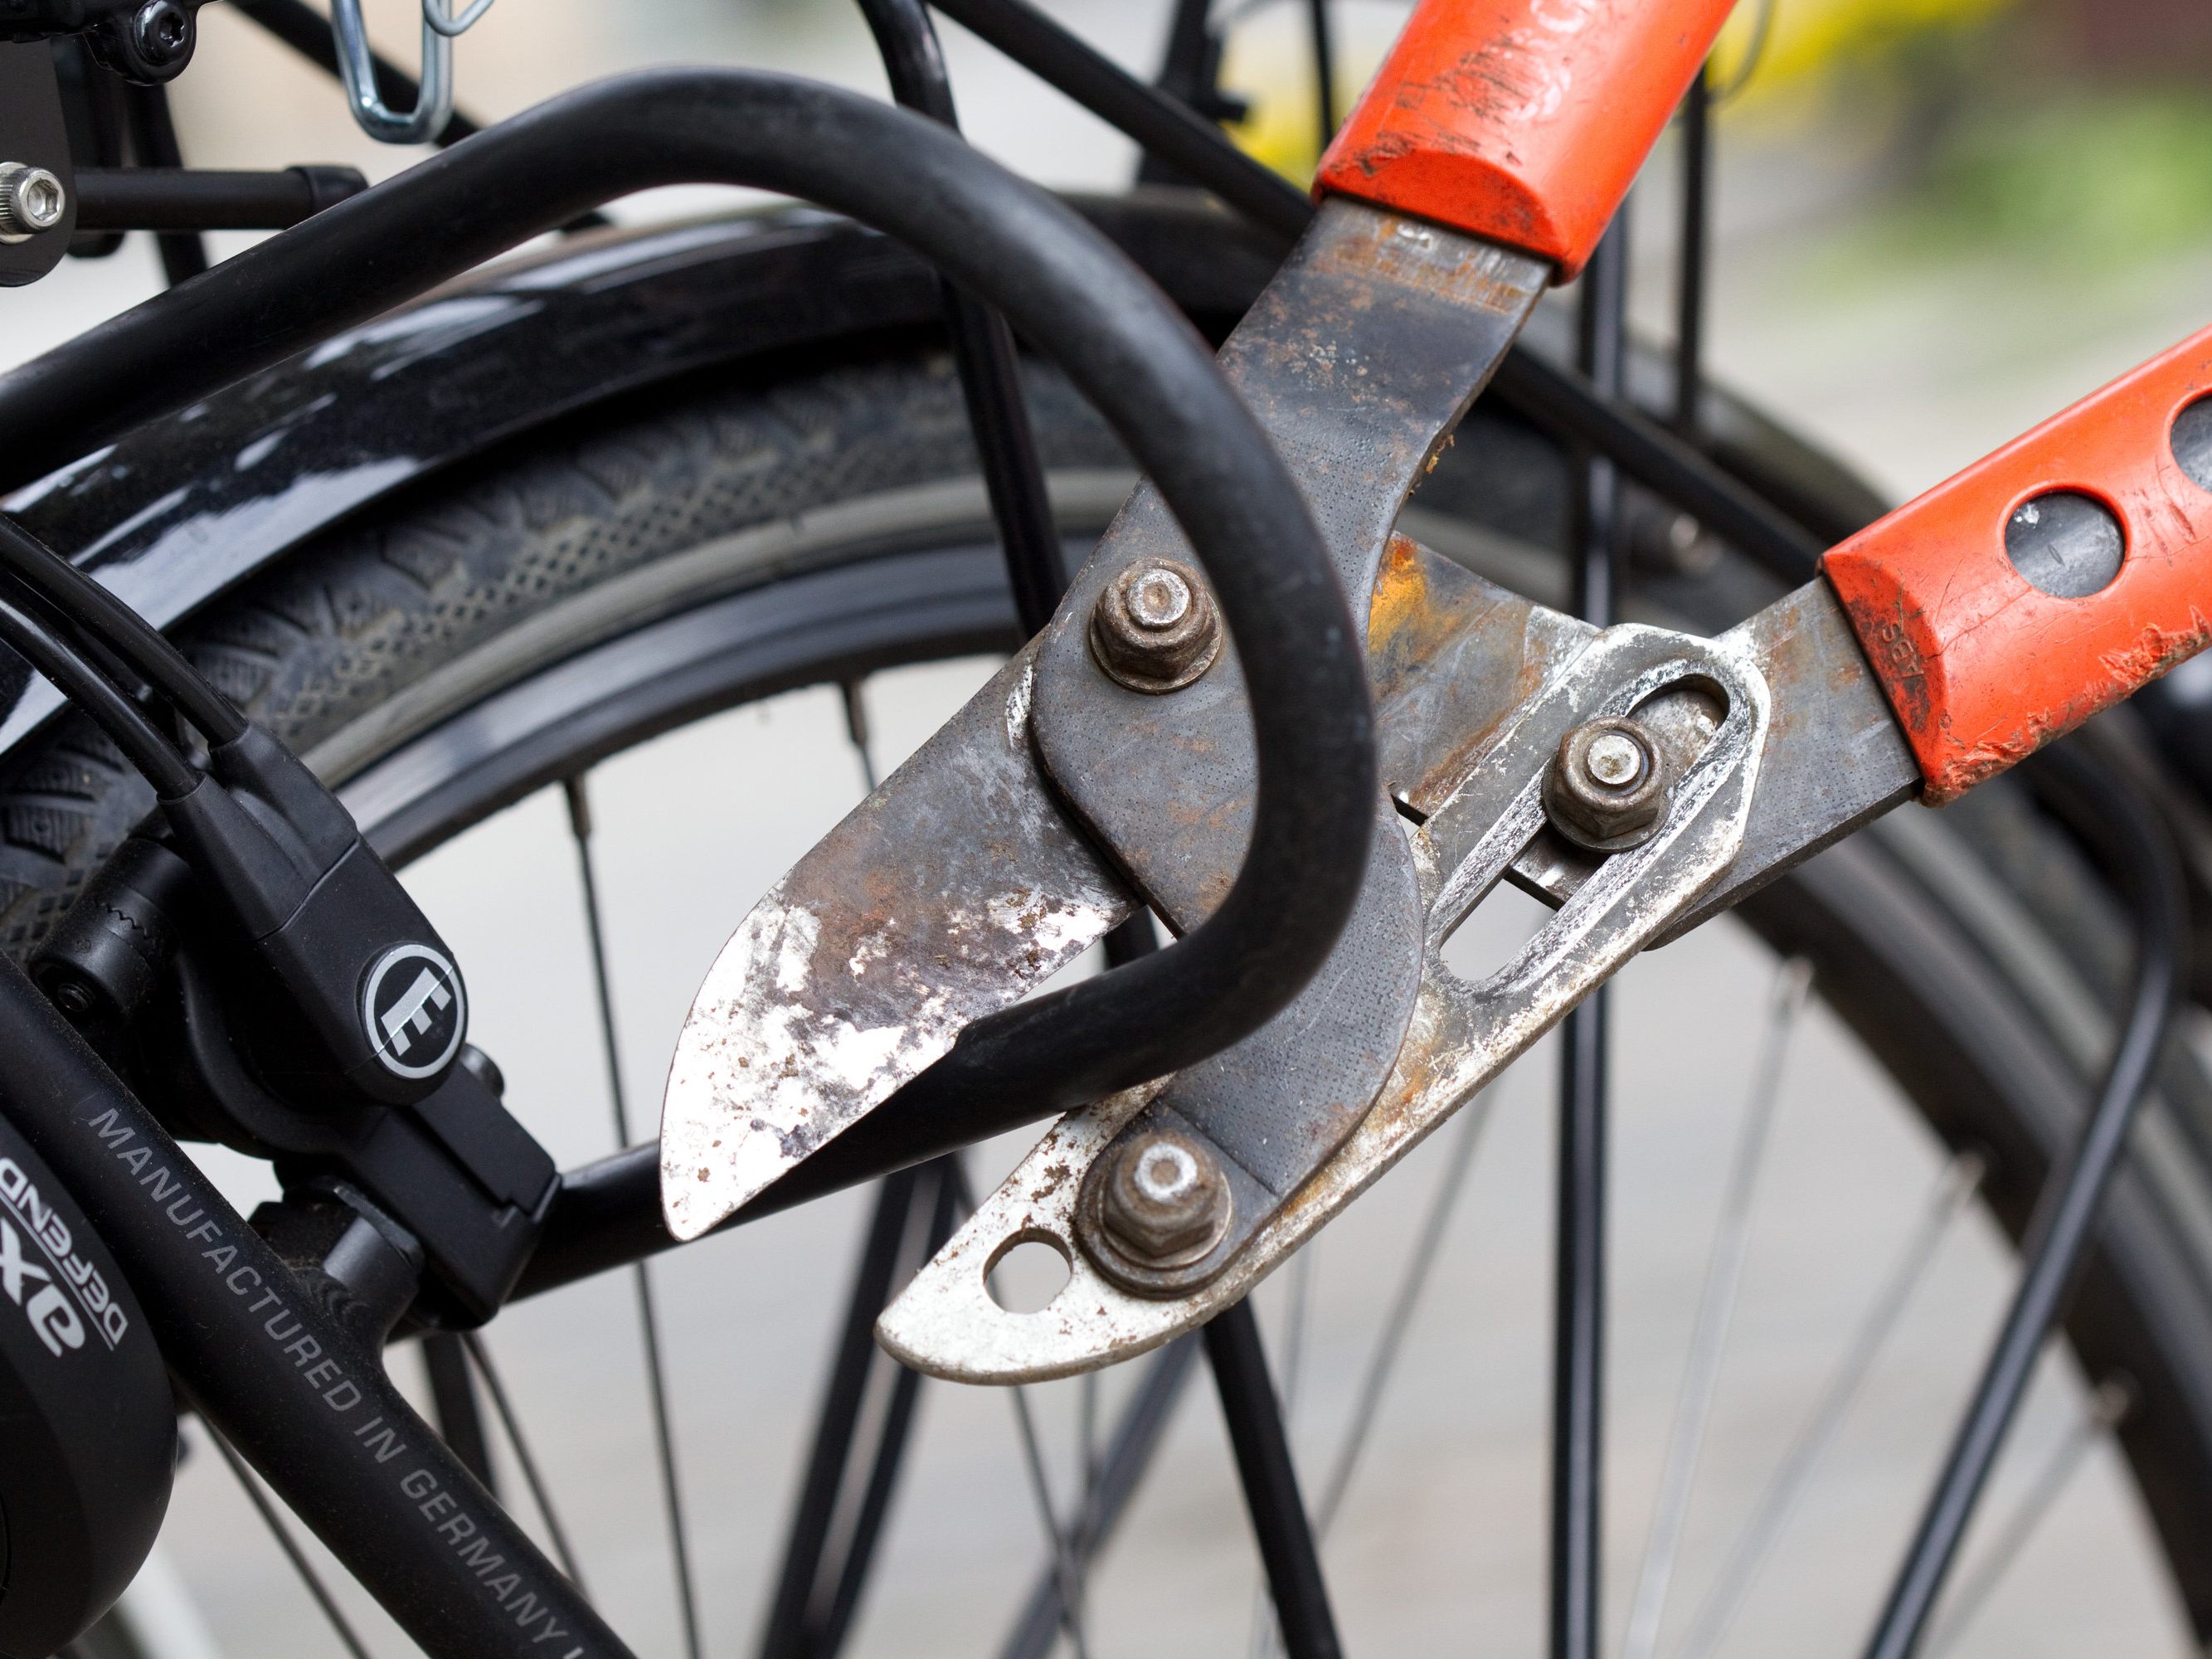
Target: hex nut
[1155,628]
[1165,1202]
[30,200]
[1607,789]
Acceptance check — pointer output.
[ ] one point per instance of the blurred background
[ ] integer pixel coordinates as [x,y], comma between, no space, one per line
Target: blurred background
[1936,221]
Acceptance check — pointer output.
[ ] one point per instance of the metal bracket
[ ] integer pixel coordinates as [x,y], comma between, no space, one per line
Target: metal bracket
[1461,1035]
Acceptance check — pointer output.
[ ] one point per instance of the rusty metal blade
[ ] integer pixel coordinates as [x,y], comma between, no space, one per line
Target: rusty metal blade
[949,892]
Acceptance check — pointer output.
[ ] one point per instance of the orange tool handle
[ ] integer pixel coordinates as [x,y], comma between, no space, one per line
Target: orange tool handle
[1983,667]
[1522,121]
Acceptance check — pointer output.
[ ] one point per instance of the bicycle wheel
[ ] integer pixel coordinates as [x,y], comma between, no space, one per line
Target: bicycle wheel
[669,595]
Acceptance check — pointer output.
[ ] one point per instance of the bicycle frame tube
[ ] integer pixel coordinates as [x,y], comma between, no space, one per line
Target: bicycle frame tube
[269,1366]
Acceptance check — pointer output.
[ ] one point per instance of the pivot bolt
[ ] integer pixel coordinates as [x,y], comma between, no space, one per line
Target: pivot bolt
[1165,1201]
[1606,788]
[1155,628]
[30,200]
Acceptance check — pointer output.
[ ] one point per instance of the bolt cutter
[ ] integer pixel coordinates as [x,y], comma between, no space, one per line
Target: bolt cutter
[1638,780]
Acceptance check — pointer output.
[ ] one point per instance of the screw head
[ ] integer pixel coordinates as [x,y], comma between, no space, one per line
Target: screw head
[30,200]
[73,999]
[1606,788]
[163,31]
[1155,628]
[1165,1201]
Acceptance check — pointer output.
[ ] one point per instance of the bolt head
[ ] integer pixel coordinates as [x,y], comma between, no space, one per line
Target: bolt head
[30,200]
[163,30]
[1155,628]
[1606,788]
[1166,1202]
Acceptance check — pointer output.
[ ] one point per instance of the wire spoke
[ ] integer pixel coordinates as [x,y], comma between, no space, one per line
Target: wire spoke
[1389,1344]
[301,1565]
[1324,61]
[1716,1311]
[2107,1409]
[453,1398]
[1136,1435]
[1954,1190]
[513,1426]
[856,729]
[580,828]
[1300,1307]
[1057,1538]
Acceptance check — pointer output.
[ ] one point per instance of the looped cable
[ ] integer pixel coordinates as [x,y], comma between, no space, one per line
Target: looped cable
[434,101]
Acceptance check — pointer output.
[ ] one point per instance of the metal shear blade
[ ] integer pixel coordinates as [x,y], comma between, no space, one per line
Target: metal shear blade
[1461,1037]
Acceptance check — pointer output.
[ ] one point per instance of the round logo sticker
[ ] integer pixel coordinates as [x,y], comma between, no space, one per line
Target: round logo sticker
[415,1009]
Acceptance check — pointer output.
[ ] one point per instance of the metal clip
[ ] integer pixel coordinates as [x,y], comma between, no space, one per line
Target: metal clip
[433,98]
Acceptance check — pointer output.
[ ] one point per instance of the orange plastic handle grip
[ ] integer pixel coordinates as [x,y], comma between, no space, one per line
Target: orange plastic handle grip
[1982,666]
[1523,121]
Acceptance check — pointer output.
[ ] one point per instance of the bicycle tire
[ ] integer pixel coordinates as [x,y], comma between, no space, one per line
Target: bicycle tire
[368,644]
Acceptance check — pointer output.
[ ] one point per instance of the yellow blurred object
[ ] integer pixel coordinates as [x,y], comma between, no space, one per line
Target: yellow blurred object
[1267,58]
[1808,37]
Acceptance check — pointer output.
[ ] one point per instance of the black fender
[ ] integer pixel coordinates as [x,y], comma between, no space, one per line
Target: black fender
[186,507]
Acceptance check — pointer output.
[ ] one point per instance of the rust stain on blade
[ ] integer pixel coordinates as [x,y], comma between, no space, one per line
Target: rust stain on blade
[945,896]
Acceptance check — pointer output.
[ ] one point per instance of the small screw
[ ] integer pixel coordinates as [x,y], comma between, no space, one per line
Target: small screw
[1607,788]
[30,200]
[72,999]
[164,33]
[1155,628]
[1165,1202]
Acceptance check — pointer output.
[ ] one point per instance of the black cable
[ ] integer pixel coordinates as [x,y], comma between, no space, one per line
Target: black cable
[127,726]
[100,614]
[1063,287]
[2142,851]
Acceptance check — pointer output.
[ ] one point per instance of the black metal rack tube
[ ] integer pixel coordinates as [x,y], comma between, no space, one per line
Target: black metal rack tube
[1061,284]
[1579,1292]
[1279,1525]
[2141,848]
[200,199]
[256,1354]
[982,346]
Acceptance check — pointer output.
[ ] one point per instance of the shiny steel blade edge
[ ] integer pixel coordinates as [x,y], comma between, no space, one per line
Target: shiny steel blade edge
[952,890]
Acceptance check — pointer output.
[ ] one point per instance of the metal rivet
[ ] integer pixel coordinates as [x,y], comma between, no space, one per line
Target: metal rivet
[30,200]
[1155,628]
[1165,1201]
[1607,788]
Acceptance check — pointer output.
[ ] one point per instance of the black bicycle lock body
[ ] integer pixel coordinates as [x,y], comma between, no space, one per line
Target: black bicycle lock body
[258,1355]
[87,1422]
